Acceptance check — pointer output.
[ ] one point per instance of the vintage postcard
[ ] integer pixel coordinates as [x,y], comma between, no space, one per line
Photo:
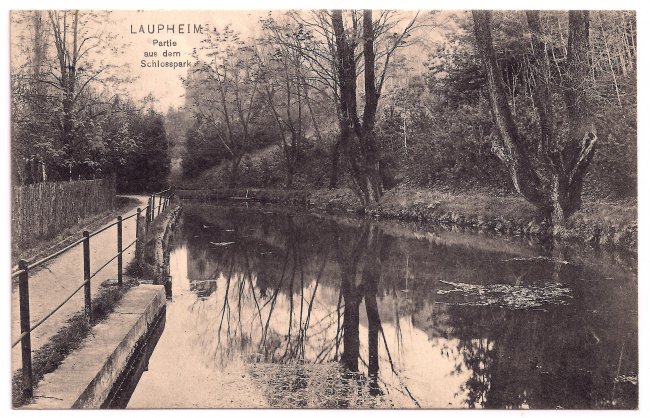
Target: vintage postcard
[324,208]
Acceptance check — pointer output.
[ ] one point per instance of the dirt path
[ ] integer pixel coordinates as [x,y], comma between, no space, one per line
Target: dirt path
[49,286]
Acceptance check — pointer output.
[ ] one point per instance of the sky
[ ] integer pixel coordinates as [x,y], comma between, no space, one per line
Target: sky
[133,46]
[165,83]
[134,43]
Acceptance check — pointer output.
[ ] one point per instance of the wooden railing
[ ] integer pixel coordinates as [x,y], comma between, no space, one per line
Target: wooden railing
[24,267]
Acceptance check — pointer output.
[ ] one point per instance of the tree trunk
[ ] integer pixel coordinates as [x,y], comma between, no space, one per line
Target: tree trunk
[358,139]
[67,61]
[507,145]
[232,176]
[349,147]
[334,173]
[581,143]
[371,167]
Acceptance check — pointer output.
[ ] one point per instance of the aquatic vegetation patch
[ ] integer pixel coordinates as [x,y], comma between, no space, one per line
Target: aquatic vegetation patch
[324,385]
[222,244]
[529,296]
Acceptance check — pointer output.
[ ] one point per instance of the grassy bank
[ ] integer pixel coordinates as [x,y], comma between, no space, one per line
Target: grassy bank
[610,225]
[598,224]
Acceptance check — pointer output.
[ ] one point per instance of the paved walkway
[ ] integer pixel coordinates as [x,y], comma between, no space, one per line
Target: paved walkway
[50,285]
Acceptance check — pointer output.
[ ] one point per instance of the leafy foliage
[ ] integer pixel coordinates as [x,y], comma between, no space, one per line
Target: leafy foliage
[69,119]
[147,167]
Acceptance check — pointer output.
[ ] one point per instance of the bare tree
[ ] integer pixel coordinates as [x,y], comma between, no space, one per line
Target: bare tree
[80,40]
[312,38]
[224,91]
[282,67]
[342,49]
[549,169]
[357,134]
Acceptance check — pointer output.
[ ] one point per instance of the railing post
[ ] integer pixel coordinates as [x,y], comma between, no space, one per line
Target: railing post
[87,301]
[153,205]
[119,250]
[148,214]
[26,342]
[159,203]
[137,237]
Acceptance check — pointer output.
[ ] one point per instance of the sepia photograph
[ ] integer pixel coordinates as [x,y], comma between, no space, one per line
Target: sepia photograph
[333,207]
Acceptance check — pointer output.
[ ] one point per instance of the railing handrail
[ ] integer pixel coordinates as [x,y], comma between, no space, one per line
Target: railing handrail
[24,267]
[162,191]
[17,270]
[47,258]
[133,214]
[103,228]
[40,321]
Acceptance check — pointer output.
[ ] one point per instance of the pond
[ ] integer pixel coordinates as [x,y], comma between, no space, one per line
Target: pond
[273,308]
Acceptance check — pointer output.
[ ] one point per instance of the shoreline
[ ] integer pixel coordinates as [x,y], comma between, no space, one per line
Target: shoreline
[597,225]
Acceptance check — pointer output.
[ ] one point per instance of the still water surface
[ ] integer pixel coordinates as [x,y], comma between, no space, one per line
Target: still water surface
[272,308]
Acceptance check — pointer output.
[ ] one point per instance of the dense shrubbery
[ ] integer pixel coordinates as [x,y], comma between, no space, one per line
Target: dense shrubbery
[146,169]
[613,173]
[265,168]
[202,151]
[433,144]
[204,148]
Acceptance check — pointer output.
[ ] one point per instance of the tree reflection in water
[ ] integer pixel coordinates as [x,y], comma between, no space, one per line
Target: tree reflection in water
[306,291]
